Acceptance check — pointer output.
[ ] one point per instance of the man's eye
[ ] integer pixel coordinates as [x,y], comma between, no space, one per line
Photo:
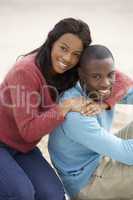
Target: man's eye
[97,77]
[112,76]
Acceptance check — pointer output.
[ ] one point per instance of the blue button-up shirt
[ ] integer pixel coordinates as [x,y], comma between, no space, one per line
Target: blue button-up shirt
[78,144]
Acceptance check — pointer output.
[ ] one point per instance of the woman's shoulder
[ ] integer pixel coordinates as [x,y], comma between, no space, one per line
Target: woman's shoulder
[25,67]
[26,62]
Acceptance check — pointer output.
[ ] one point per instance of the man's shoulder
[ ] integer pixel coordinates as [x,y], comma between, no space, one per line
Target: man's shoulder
[70,93]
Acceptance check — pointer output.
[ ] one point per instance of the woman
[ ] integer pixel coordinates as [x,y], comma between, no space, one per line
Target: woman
[28,113]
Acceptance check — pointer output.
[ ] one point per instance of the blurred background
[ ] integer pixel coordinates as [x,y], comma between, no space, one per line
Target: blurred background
[24,26]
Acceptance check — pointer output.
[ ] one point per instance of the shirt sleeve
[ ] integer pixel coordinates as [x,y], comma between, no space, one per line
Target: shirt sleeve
[88,132]
[120,88]
[128,98]
[25,97]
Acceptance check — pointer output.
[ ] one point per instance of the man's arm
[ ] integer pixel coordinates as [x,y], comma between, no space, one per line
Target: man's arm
[87,132]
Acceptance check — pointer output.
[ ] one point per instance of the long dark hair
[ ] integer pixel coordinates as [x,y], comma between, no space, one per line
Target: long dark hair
[43,57]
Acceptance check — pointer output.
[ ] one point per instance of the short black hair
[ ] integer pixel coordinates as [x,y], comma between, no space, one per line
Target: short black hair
[95,52]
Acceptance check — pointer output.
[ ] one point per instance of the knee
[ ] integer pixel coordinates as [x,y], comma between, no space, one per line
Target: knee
[23,192]
[128,131]
[26,193]
[54,192]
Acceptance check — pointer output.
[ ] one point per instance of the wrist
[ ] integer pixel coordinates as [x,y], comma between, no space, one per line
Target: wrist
[105,106]
[65,106]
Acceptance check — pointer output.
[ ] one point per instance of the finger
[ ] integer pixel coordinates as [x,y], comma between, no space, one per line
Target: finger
[91,114]
[89,102]
[92,111]
[89,109]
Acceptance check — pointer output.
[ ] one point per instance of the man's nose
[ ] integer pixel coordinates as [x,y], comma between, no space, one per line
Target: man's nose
[105,83]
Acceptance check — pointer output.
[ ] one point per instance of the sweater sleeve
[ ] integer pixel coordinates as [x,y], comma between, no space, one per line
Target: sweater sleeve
[26,98]
[120,88]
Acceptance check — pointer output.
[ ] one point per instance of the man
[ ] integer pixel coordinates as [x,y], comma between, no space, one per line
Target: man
[78,148]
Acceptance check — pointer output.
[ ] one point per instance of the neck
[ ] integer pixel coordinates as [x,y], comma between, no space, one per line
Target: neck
[89,94]
[52,72]
[84,88]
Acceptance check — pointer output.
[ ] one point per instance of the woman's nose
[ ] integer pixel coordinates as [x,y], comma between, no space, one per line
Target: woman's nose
[67,58]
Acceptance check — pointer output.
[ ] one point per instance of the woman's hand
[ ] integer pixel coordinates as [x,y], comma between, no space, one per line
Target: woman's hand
[82,105]
[94,108]
[75,104]
[87,106]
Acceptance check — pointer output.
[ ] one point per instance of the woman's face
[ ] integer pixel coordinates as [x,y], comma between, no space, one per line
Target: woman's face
[66,52]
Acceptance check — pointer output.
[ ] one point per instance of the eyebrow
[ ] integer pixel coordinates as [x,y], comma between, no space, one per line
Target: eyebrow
[78,51]
[97,73]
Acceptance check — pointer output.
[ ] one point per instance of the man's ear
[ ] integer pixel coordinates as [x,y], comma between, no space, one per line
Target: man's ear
[81,76]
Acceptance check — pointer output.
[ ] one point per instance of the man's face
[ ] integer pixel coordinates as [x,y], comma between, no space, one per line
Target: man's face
[98,76]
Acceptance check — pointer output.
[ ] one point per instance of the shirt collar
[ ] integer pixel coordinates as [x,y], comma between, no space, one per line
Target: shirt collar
[79,88]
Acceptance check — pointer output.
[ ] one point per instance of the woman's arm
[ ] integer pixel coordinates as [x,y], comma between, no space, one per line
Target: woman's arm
[32,122]
[120,88]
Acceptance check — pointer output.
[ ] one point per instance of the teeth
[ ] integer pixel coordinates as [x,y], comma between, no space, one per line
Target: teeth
[62,64]
[104,91]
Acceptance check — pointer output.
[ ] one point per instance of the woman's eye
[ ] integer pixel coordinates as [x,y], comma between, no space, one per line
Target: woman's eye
[77,55]
[63,48]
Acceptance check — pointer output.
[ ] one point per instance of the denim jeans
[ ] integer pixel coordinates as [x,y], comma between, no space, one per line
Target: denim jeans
[27,176]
